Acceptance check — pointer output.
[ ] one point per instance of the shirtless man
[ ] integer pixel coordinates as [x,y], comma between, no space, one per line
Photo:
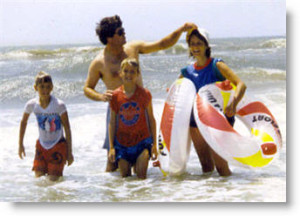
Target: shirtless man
[106,65]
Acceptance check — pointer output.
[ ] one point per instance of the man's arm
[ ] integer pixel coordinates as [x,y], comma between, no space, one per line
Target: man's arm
[164,43]
[89,87]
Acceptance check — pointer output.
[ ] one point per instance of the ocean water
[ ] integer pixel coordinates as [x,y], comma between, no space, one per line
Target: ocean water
[259,62]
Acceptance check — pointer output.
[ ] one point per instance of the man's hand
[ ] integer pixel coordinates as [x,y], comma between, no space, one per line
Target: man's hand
[107,96]
[188,26]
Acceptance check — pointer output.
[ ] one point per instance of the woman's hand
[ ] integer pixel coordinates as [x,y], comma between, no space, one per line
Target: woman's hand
[231,109]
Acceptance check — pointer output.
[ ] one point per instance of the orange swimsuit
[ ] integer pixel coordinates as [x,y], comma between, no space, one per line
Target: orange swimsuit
[132,124]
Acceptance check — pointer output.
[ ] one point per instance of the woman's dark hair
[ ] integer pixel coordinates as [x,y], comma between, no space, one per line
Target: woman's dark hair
[107,27]
[198,35]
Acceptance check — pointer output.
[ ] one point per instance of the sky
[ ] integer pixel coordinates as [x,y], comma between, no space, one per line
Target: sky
[37,22]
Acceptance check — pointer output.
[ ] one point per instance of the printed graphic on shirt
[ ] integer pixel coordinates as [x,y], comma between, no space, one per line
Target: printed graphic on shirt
[129,113]
[49,122]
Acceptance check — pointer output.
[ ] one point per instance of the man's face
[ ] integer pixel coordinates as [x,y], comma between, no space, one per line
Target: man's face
[119,36]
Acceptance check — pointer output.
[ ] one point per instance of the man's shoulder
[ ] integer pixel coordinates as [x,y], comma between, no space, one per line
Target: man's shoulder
[98,61]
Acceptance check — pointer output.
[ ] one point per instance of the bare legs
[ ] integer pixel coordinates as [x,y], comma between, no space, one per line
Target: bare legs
[110,166]
[141,166]
[208,158]
[50,177]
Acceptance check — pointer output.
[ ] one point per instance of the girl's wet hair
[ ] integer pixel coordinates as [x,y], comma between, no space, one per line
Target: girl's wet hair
[132,62]
[42,77]
[198,35]
[107,27]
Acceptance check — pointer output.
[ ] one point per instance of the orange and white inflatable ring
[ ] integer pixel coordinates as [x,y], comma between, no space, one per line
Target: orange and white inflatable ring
[256,150]
[174,139]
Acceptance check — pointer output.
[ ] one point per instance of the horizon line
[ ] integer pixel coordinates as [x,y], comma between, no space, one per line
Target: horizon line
[98,42]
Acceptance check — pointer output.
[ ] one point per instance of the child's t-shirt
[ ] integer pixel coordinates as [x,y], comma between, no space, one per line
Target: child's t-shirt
[132,125]
[49,121]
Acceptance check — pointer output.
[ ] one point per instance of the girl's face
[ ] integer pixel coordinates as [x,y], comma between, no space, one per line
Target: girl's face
[197,47]
[129,74]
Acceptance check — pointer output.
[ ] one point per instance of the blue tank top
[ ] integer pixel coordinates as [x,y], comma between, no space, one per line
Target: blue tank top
[205,75]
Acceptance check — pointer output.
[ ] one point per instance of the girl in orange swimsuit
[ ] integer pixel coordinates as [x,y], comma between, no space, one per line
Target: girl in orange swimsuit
[132,127]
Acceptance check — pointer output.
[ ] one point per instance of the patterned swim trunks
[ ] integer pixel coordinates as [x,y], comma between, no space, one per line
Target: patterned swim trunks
[51,161]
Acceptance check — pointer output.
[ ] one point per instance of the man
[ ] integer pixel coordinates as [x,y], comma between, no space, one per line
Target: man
[106,65]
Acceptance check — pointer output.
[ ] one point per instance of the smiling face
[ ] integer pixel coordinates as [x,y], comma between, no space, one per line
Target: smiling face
[197,47]
[129,74]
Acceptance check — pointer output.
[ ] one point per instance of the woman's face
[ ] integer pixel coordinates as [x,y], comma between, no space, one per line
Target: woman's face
[197,47]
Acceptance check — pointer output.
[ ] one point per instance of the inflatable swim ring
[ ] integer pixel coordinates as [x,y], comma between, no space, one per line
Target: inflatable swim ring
[256,150]
[174,138]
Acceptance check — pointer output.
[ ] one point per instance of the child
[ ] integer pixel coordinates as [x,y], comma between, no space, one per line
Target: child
[52,149]
[132,127]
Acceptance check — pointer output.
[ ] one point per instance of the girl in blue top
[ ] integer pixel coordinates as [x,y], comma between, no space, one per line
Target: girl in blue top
[207,70]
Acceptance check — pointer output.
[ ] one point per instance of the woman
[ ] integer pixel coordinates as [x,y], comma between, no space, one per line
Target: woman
[207,70]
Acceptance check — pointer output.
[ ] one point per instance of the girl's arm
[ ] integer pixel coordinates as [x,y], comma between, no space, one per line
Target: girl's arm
[23,126]
[111,131]
[239,91]
[152,123]
[65,121]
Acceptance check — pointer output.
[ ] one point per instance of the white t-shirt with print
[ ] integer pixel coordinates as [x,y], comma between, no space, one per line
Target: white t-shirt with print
[49,121]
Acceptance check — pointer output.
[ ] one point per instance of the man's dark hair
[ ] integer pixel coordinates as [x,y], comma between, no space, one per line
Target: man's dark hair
[107,27]
[196,33]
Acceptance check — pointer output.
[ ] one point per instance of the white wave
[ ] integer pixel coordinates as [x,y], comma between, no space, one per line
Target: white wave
[263,72]
[274,43]
[32,53]
[84,49]
[17,54]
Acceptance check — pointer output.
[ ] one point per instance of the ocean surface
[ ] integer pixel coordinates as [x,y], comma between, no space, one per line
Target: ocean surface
[259,62]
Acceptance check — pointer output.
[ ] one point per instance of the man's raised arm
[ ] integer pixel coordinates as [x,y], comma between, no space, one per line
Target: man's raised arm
[164,43]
